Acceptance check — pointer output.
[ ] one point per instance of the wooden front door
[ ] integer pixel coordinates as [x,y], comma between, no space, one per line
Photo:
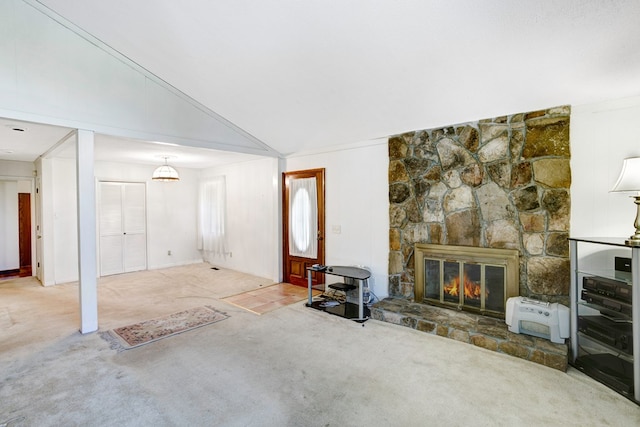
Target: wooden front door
[303,224]
[24,229]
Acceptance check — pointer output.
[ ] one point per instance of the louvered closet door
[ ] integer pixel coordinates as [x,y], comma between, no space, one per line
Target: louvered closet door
[123,243]
[135,237]
[111,237]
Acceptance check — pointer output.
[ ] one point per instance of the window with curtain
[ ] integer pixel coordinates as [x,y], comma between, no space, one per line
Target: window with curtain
[212,238]
[303,218]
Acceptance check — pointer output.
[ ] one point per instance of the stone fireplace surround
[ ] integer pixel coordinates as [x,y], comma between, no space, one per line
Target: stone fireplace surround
[495,183]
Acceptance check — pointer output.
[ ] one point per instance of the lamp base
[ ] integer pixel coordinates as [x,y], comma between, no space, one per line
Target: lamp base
[632,241]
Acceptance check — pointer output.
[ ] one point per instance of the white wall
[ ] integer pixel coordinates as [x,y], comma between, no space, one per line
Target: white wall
[602,136]
[171,216]
[171,212]
[357,201]
[10,168]
[45,198]
[253,230]
[171,220]
[24,186]
[65,220]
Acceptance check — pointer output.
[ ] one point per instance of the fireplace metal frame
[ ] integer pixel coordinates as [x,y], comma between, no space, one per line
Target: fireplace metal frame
[509,258]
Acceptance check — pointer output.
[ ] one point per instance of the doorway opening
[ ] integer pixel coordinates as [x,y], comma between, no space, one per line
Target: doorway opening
[24,233]
[15,229]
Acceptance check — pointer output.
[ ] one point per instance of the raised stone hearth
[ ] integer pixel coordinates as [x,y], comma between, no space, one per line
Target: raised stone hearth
[482,331]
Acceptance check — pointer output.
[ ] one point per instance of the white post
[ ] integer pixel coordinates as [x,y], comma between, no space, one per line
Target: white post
[87,269]
[573,295]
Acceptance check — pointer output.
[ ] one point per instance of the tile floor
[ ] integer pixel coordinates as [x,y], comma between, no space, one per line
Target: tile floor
[264,300]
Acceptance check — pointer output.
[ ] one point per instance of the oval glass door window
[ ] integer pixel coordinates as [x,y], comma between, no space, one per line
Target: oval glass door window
[300,215]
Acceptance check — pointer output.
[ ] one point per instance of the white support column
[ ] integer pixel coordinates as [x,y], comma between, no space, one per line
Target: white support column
[573,295]
[87,269]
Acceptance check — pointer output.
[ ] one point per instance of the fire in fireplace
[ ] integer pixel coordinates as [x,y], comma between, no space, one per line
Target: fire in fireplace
[467,278]
[471,286]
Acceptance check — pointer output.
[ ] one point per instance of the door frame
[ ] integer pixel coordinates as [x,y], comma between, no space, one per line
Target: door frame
[35,220]
[38,271]
[319,174]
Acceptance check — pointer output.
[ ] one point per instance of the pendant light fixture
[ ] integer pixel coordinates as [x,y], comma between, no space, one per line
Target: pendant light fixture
[165,172]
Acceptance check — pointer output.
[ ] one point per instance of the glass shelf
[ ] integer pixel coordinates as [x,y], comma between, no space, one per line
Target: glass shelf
[590,345]
[605,325]
[622,276]
[609,241]
[612,315]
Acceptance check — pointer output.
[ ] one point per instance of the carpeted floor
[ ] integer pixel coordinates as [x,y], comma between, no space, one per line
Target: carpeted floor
[293,366]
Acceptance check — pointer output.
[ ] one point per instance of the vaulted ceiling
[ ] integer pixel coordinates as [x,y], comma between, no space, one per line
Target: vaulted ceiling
[301,75]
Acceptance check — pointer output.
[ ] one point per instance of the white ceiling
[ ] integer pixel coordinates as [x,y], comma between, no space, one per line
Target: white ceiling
[22,141]
[300,75]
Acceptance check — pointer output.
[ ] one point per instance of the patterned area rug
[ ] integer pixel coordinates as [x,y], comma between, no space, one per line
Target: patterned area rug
[166,326]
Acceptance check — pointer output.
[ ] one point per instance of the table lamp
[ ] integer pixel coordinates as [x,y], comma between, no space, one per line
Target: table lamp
[629,181]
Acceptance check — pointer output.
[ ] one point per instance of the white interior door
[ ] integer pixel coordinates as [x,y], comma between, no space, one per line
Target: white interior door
[123,240]
[134,225]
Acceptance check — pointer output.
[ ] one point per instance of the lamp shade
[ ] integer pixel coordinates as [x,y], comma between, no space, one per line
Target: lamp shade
[629,179]
[165,173]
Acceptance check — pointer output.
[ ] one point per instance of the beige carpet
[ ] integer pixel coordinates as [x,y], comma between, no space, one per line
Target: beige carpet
[294,366]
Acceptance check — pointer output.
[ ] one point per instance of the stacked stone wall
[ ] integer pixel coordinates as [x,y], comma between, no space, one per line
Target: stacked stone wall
[495,183]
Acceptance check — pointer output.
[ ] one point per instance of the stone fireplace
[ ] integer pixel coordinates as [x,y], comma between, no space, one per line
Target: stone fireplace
[479,280]
[501,183]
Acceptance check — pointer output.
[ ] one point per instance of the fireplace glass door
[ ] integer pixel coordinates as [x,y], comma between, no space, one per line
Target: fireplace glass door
[432,278]
[451,281]
[494,280]
[468,278]
[465,284]
[473,291]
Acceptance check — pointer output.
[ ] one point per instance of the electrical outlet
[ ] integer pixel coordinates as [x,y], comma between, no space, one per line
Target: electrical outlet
[336,229]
